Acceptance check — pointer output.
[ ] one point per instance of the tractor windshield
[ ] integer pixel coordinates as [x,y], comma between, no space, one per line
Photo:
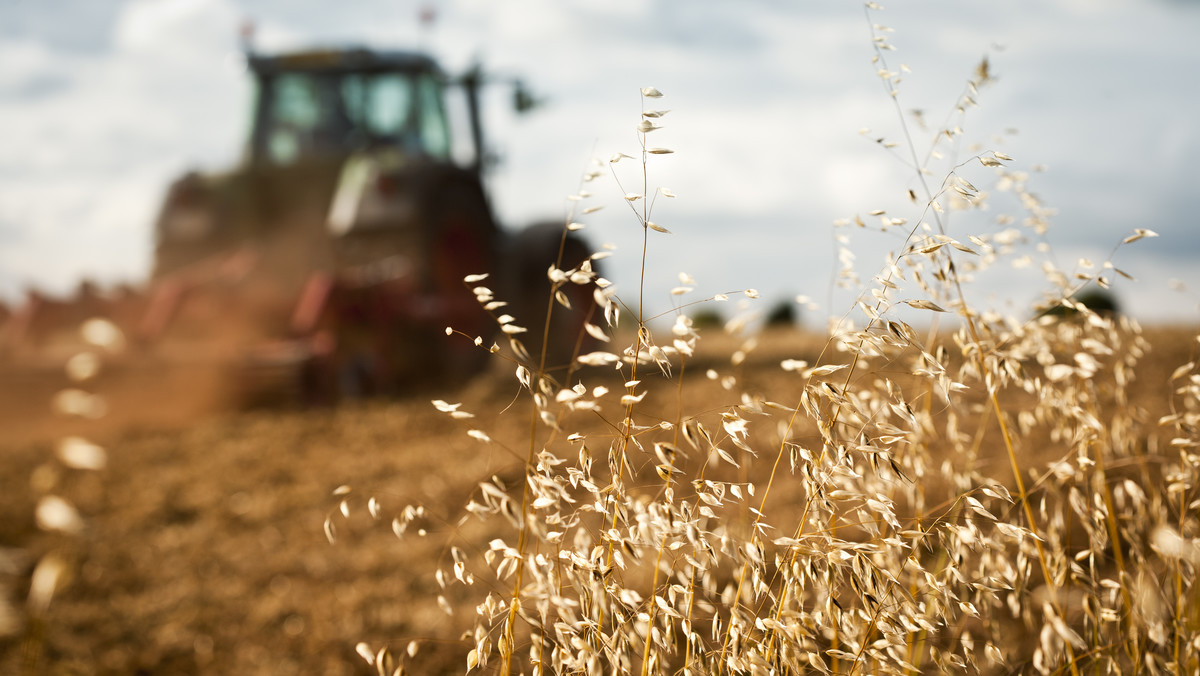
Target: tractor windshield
[303,114]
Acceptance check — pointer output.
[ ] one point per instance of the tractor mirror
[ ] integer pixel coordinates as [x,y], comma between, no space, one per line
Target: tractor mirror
[523,100]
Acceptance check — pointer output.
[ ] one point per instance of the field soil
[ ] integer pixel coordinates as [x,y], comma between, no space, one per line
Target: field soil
[205,550]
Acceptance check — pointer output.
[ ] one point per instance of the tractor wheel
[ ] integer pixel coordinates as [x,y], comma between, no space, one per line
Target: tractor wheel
[533,251]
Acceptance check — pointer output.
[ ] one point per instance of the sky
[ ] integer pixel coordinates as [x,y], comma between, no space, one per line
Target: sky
[103,102]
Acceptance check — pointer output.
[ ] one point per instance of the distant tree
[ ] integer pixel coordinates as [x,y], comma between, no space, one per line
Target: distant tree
[1097,299]
[707,319]
[783,314]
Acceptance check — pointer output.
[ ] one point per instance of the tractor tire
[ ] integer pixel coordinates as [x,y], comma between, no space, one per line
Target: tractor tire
[533,251]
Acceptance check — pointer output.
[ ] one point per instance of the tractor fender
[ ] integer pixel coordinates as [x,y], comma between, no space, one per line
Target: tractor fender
[529,253]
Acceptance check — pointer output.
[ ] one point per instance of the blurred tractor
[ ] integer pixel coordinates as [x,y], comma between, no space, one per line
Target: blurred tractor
[330,261]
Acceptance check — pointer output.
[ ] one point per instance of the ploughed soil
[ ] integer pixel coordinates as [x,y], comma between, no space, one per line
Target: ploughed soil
[204,549]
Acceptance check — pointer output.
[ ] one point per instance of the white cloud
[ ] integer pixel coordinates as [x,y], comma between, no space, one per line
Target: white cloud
[175,29]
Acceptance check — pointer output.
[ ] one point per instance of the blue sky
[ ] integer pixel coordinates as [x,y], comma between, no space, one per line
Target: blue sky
[103,102]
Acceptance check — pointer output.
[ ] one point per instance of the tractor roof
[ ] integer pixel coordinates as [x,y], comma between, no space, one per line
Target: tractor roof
[342,60]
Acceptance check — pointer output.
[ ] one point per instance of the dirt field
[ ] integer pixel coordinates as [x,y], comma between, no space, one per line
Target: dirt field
[204,550]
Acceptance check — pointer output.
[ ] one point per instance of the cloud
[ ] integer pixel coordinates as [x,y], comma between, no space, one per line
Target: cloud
[31,72]
[92,136]
[175,29]
[87,29]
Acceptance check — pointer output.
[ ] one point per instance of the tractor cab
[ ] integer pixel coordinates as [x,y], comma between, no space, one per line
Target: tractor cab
[331,103]
[350,159]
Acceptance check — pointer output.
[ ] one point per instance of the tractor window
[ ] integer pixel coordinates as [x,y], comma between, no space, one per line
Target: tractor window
[402,109]
[304,117]
[323,113]
[435,130]
[388,109]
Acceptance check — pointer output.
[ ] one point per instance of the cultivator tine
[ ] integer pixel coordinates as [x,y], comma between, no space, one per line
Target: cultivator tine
[164,301]
[313,300]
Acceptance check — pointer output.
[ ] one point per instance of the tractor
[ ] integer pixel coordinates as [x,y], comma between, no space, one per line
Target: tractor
[328,263]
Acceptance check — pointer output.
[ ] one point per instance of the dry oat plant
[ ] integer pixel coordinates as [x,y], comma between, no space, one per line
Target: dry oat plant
[941,488]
